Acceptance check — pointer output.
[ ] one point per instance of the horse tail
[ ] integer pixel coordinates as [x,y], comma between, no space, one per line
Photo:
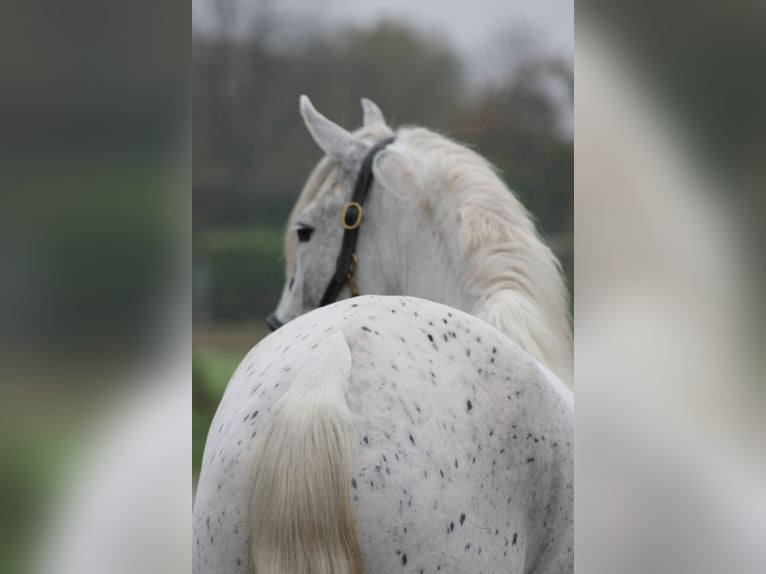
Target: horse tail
[301,515]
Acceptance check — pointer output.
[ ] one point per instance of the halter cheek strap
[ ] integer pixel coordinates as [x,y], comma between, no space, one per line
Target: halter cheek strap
[351,218]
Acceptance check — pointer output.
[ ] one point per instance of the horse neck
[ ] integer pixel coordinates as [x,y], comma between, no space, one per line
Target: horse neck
[411,255]
[418,254]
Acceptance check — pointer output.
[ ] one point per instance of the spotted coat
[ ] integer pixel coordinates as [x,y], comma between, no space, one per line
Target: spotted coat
[465,443]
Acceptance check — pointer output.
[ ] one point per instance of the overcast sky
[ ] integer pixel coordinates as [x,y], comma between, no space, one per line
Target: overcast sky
[474,27]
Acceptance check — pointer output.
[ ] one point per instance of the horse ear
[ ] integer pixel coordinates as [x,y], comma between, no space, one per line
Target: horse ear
[398,173]
[372,114]
[336,142]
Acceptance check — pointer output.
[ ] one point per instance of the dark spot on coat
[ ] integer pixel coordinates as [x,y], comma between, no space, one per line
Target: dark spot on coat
[468,405]
[462,519]
[353,483]
[515,536]
[404,559]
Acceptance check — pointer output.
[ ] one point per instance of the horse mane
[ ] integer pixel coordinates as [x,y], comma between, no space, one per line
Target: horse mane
[512,277]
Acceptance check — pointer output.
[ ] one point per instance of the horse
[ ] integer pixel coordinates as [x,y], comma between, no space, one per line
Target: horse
[438,223]
[387,433]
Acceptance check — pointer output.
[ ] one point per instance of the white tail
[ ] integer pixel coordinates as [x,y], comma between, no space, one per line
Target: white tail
[301,514]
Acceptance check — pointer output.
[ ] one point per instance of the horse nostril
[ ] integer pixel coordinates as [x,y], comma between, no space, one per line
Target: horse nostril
[273,322]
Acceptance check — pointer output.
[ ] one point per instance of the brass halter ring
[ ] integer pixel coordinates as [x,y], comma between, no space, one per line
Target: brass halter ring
[359,213]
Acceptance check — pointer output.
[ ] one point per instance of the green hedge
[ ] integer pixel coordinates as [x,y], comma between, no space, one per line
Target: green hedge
[243,271]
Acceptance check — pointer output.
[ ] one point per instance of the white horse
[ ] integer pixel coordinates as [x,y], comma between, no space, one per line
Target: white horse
[388,434]
[383,435]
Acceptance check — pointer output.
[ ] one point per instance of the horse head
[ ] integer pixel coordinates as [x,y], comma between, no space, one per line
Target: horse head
[326,258]
[423,216]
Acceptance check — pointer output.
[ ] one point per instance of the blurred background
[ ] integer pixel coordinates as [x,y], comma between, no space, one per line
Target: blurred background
[495,76]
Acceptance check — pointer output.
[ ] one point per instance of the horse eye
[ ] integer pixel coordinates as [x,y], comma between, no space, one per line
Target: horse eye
[304,233]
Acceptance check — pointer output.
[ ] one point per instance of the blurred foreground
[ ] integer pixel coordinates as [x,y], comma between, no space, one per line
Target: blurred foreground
[670,464]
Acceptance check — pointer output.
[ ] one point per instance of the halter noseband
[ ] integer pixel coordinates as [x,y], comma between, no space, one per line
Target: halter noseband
[351,218]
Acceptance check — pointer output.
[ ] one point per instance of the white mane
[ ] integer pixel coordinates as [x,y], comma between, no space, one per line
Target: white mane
[513,280]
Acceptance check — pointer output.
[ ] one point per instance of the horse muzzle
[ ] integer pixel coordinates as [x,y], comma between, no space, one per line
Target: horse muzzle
[273,322]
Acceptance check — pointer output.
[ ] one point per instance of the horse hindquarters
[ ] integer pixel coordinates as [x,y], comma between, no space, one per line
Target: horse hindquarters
[301,513]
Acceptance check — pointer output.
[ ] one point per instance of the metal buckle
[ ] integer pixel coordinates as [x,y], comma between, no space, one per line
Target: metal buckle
[352,284]
[358,220]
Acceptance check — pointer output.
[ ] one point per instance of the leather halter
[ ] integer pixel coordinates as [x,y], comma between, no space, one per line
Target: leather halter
[351,218]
